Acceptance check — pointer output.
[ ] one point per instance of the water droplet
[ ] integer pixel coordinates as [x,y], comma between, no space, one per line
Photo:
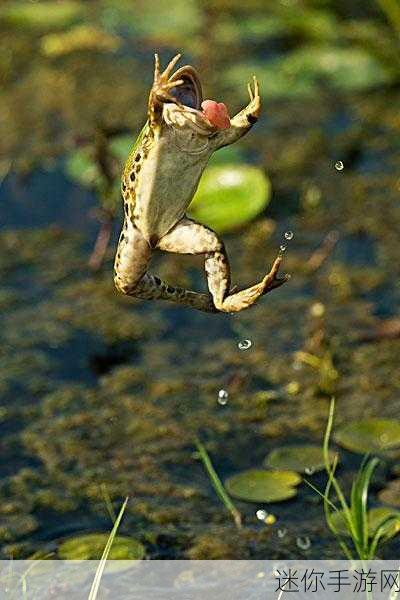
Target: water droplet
[297,365]
[384,438]
[223,397]
[244,344]
[261,515]
[270,519]
[289,235]
[282,533]
[304,543]
[339,166]
[282,248]
[309,470]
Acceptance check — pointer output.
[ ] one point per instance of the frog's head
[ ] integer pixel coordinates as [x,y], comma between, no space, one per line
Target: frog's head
[203,116]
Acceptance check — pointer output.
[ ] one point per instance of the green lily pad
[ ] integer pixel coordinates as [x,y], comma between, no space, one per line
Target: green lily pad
[79,38]
[376,516]
[229,196]
[91,546]
[303,459]
[391,494]
[263,486]
[370,435]
[81,167]
[41,15]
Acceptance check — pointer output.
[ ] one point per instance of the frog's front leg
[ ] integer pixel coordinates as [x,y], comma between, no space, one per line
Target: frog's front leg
[241,123]
[188,237]
[160,91]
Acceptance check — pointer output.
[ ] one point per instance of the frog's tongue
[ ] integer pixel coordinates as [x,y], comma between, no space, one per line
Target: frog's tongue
[216,113]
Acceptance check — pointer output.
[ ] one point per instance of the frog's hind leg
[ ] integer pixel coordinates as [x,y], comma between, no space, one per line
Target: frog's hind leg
[188,237]
[131,276]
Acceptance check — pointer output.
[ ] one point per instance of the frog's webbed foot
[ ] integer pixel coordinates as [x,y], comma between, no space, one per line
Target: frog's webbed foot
[238,301]
[252,111]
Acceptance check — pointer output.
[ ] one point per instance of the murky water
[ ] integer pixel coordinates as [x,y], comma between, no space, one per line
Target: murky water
[103,396]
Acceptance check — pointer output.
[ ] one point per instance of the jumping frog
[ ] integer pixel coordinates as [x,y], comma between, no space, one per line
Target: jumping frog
[158,183]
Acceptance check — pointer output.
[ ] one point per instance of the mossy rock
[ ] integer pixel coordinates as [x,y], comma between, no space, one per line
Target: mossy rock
[370,435]
[91,546]
[303,459]
[229,196]
[263,486]
[376,516]
[391,494]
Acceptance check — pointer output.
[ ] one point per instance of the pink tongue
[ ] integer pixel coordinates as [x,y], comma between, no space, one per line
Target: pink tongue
[216,113]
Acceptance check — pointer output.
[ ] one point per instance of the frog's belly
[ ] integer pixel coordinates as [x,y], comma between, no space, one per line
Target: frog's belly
[167,184]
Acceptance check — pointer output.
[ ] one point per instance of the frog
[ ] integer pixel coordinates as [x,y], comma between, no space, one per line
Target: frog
[159,180]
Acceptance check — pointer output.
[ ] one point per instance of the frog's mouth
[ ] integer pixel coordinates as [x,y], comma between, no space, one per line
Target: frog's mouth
[207,115]
[189,93]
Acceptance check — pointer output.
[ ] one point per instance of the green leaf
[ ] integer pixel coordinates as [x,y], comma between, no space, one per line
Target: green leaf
[81,167]
[79,38]
[370,435]
[299,73]
[41,15]
[391,494]
[303,459]
[230,196]
[263,486]
[375,517]
[91,547]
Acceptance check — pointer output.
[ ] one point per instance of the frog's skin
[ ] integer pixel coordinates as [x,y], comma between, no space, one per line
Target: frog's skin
[160,178]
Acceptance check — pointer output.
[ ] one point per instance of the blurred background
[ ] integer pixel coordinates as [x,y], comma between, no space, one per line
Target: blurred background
[103,396]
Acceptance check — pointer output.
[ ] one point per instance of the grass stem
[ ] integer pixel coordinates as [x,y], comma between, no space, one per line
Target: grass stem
[217,484]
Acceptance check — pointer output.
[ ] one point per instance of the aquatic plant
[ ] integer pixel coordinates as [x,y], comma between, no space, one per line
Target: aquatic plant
[217,484]
[352,516]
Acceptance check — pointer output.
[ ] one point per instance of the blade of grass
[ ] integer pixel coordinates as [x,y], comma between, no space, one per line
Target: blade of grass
[359,498]
[345,549]
[217,484]
[107,500]
[100,569]
[334,482]
[380,532]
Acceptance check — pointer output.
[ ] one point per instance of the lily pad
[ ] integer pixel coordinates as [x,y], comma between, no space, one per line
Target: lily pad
[370,435]
[91,546]
[79,38]
[391,494]
[44,15]
[263,486]
[230,196]
[303,459]
[376,516]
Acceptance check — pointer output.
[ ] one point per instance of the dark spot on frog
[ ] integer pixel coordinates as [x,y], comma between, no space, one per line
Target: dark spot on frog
[137,157]
[252,119]
[132,176]
[157,280]
[170,289]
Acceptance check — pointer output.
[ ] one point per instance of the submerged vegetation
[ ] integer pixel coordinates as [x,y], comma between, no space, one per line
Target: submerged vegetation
[103,397]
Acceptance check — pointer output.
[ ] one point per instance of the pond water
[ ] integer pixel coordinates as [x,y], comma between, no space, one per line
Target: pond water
[103,397]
